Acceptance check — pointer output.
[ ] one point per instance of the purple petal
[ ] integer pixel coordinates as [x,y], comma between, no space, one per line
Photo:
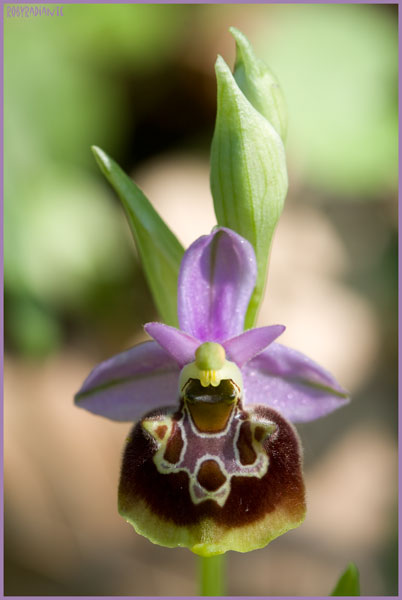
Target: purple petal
[245,346]
[217,277]
[178,344]
[291,383]
[125,387]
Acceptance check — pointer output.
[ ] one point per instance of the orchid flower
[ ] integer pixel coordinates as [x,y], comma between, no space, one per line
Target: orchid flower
[213,462]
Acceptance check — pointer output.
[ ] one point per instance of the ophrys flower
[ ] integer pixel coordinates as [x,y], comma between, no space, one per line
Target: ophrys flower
[213,463]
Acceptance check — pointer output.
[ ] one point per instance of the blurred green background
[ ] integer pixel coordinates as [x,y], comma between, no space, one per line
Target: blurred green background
[138,81]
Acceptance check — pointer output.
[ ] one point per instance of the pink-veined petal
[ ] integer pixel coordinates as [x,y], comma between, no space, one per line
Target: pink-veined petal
[291,383]
[216,279]
[128,385]
[245,346]
[181,346]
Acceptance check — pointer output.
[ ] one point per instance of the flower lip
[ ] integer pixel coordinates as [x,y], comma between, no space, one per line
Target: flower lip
[183,501]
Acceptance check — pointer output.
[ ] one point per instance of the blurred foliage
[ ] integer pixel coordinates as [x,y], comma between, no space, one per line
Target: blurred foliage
[138,79]
[338,65]
[63,233]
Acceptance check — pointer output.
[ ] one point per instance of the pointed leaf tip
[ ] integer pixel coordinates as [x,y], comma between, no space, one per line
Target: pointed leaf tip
[102,159]
[222,70]
[348,584]
[243,47]
[157,246]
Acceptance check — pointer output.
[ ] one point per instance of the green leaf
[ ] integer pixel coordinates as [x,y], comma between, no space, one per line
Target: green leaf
[158,247]
[248,174]
[348,584]
[258,84]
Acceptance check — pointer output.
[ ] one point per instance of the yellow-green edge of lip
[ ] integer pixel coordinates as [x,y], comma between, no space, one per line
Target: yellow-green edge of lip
[239,539]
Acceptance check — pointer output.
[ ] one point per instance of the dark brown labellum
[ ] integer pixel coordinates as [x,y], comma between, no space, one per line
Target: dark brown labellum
[212,481]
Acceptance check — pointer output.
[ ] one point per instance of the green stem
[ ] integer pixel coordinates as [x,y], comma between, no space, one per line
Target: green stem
[212,575]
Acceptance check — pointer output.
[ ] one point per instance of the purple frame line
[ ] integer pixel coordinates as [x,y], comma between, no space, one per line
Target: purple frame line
[62,3]
[2,309]
[399,314]
[16,2]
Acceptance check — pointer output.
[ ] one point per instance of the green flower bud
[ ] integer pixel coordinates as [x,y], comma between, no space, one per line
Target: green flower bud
[248,174]
[259,85]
